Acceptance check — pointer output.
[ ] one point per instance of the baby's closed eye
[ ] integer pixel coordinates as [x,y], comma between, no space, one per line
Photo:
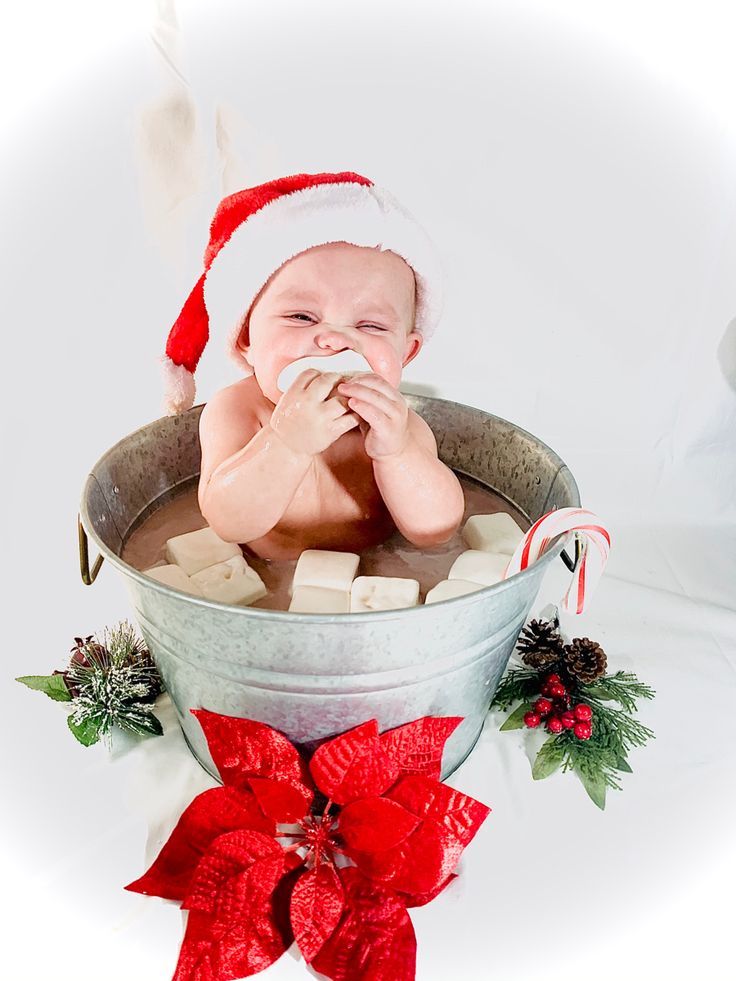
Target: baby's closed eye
[310,318]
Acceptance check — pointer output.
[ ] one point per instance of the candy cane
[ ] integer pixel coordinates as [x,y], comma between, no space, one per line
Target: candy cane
[595,542]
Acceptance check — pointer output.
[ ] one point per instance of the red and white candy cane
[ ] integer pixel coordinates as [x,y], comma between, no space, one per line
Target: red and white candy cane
[595,543]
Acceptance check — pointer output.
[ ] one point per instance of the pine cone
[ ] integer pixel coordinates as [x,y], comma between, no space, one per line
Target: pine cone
[585,660]
[540,645]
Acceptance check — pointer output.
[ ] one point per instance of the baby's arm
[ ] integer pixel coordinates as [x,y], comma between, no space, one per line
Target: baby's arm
[250,474]
[423,495]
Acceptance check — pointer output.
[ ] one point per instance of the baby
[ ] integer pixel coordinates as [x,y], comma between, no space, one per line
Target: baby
[333,461]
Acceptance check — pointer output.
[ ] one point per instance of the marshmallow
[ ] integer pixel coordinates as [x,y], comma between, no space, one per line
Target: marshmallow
[449,589]
[382,593]
[477,566]
[172,575]
[328,570]
[231,582]
[492,533]
[198,550]
[315,599]
[345,363]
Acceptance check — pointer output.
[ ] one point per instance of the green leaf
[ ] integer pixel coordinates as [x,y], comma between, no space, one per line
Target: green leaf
[145,725]
[52,685]
[549,758]
[595,786]
[622,765]
[86,732]
[516,719]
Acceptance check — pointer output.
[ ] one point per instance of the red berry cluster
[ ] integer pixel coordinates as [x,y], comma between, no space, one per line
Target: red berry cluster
[555,708]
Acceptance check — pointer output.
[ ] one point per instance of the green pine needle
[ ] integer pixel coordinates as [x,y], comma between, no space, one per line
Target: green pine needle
[622,687]
[518,685]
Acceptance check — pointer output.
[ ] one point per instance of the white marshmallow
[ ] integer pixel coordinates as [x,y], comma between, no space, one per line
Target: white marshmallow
[343,362]
[315,599]
[477,566]
[449,589]
[231,582]
[382,593]
[328,570]
[173,575]
[492,533]
[197,550]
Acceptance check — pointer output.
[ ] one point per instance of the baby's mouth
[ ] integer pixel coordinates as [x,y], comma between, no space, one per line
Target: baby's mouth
[344,362]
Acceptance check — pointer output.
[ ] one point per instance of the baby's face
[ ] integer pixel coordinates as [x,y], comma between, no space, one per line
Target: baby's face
[333,298]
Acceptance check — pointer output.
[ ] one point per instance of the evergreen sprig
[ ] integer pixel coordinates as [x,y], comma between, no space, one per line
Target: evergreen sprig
[112,682]
[600,760]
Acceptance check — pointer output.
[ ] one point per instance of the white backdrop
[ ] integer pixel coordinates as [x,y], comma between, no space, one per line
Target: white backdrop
[575,163]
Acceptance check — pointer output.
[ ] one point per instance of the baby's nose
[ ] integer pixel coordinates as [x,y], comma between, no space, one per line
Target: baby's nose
[336,339]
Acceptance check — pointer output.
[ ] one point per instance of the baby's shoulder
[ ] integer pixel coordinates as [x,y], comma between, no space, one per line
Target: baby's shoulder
[241,401]
[229,420]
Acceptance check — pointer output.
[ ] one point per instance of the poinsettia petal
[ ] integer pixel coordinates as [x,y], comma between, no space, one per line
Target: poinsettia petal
[282,801]
[417,747]
[424,860]
[375,824]
[373,901]
[374,940]
[198,954]
[317,903]
[354,765]
[242,748]
[410,899]
[227,857]
[428,798]
[245,936]
[211,814]
[418,865]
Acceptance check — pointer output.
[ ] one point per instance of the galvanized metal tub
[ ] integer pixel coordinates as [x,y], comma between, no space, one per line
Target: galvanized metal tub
[312,676]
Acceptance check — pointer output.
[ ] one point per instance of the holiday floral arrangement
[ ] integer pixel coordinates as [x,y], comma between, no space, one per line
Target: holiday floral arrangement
[586,712]
[330,853]
[108,682]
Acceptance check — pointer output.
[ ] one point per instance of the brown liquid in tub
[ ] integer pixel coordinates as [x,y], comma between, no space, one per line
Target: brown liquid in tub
[395,557]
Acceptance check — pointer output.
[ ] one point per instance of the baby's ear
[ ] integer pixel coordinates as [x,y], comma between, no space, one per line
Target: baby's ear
[242,345]
[414,341]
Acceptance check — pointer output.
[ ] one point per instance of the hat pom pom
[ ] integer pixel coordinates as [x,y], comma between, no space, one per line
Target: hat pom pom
[179,389]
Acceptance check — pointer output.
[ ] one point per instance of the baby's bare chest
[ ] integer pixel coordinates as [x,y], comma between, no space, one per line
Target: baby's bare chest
[337,505]
[339,485]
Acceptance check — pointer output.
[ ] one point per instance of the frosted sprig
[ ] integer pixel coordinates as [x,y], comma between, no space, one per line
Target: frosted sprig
[114,682]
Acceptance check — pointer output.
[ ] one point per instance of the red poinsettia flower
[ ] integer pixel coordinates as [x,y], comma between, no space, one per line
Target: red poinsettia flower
[329,854]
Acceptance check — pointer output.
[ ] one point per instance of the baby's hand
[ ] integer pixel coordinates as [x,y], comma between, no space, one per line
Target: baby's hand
[305,419]
[383,408]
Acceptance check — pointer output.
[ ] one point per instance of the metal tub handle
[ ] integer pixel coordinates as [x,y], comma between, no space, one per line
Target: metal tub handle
[88,577]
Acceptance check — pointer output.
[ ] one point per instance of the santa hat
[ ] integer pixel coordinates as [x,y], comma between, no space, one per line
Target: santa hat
[255,231]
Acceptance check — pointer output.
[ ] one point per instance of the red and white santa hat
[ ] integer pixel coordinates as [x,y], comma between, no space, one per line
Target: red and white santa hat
[255,231]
